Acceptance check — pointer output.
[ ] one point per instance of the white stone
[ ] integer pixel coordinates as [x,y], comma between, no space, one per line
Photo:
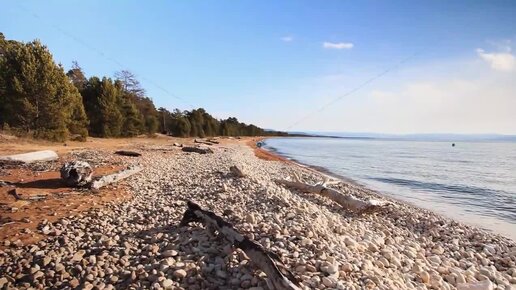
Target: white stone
[482,285]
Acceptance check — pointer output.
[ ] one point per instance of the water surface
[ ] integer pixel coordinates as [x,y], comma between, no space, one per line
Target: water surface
[473,182]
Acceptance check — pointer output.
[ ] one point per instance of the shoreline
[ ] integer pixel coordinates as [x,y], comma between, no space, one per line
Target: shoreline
[140,243]
[327,172]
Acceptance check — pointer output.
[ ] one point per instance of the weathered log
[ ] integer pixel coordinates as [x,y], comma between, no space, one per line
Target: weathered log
[213,141]
[209,143]
[25,158]
[112,178]
[200,150]
[278,277]
[76,173]
[347,201]
[128,153]
[236,171]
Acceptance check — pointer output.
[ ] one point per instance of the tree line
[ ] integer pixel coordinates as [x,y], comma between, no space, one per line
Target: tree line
[39,99]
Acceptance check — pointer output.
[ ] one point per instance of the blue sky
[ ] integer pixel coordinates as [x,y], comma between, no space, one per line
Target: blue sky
[451,66]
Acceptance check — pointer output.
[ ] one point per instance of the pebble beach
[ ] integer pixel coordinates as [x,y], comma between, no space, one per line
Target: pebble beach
[138,243]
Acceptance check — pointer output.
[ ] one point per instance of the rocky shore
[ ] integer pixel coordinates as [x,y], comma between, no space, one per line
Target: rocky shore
[138,244]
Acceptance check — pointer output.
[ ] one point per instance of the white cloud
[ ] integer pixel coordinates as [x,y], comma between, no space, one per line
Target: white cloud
[287,38]
[338,45]
[501,61]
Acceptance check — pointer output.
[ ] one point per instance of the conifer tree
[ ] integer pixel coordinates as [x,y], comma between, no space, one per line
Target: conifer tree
[36,96]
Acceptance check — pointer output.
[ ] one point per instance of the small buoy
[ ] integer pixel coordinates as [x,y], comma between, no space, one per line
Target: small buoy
[259,144]
[452,144]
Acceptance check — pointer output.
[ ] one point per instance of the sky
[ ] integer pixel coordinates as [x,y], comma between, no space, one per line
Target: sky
[350,66]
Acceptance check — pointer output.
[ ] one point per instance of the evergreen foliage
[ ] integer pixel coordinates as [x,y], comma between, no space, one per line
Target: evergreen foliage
[38,99]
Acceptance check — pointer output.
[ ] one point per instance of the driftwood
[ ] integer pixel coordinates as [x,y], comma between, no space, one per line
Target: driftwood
[236,171]
[347,201]
[128,153]
[25,158]
[213,141]
[207,142]
[200,150]
[178,145]
[76,173]
[14,193]
[278,277]
[112,178]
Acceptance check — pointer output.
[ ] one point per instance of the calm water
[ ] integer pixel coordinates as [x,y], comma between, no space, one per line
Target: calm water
[472,182]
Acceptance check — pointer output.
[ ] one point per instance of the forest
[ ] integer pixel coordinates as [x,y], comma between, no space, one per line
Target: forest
[40,99]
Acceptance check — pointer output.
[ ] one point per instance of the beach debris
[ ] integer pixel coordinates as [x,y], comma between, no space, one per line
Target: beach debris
[177,144]
[22,201]
[278,277]
[112,178]
[128,153]
[76,173]
[214,141]
[347,201]
[14,193]
[236,171]
[206,142]
[197,149]
[30,157]
[5,183]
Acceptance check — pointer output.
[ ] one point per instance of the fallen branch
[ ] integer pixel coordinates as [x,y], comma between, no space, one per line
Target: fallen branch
[200,150]
[347,201]
[128,153]
[112,178]
[76,173]
[278,277]
[236,171]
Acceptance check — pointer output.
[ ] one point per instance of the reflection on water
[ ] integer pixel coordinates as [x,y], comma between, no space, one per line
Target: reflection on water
[474,182]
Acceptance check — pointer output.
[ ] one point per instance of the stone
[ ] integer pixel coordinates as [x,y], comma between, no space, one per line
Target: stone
[350,242]
[180,273]
[329,281]
[482,285]
[347,267]
[425,277]
[169,253]
[438,250]
[167,283]
[330,269]
[435,259]
[74,283]
[77,257]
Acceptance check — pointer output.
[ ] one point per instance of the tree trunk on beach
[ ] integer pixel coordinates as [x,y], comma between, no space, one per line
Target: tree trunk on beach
[278,277]
[112,178]
[345,200]
[199,150]
[76,173]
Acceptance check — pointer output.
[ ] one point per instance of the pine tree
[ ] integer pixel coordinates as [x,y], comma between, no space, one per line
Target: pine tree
[36,96]
[100,98]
